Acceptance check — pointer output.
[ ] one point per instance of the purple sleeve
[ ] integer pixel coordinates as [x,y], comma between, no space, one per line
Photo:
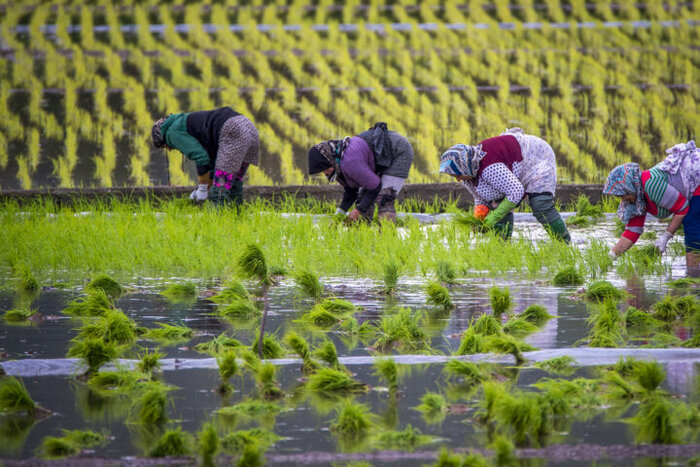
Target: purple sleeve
[357,165]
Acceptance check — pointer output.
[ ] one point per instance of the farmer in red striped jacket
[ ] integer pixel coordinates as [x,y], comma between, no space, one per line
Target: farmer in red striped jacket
[672,187]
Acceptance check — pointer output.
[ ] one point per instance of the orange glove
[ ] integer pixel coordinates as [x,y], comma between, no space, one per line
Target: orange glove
[480,211]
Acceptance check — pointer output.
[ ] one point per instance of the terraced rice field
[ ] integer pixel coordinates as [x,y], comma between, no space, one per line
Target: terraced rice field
[81,84]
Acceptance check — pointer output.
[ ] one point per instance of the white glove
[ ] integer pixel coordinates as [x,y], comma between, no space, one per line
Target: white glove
[612,255]
[200,194]
[339,211]
[662,241]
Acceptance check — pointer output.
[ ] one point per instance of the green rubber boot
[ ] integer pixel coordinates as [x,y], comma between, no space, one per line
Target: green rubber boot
[504,227]
[558,230]
[219,195]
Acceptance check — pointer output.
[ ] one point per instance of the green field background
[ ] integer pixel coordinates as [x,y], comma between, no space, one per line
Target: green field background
[81,83]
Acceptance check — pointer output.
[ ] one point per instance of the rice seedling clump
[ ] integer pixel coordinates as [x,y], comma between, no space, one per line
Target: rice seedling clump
[389,372]
[184,291]
[439,296]
[14,396]
[568,276]
[271,347]
[233,290]
[106,284]
[255,438]
[95,304]
[391,277]
[330,380]
[500,300]
[308,284]
[18,315]
[353,419]
[172,443]
[601,290]
[536,314]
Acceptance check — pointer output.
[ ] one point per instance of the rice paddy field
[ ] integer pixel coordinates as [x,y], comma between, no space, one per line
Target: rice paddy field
[130,334]
[82,82]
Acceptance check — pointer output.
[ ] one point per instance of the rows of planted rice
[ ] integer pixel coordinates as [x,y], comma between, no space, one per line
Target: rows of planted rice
[80,85]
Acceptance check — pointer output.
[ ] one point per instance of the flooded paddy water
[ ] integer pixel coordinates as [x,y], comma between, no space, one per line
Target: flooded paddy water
[304,422]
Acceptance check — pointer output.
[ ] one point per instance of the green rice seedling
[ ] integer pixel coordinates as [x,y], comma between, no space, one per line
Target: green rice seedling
[319,316]
[584,207]
[107,284]
[519,327]
[666,309]
[432,402]
[662,340]
[271,347]
[172,443]
[568,276]
[327,353]
[149,361]
[228,367]
[14,397]
[113,326]
[240,308]
[649,375]
[503,451]
[253,455]
[402,329]
[252,264]
[510,345]
[387,369]
[521,413]
[619,228]
[350,326]
[692,343]
[330,380]
[685,282]
[207,444]
[468,220]
[493,394]
[267,382]
[170,333]
[276,270]
[578,221]
[407,439]
[626,366]
[470,372]
[656,422]
[487,325]
[352,419]
[238,441]
[94,352]
[113,379]
[251,408]
[557,365]
[445,272]
[536,314]
[602,290]
[447,458]
[301,347]
[184,291]
[338,306]
[640,319]
[233,290]
[220,343]
[308,284]
[439,296]
[688,306]
[619,388]
[151,407]
[471,343]
[607,328]
[53,447]
[95,304]
[18,315]
[500,300]
[390,277]
[27,282]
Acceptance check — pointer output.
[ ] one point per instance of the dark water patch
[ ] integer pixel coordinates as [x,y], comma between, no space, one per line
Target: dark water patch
[45,174]
[84,171]
[121,175]
[8,174]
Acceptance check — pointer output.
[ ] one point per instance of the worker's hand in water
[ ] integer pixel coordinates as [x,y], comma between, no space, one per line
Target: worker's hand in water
[354,215]
[201,194]
[660,244]
[612,255]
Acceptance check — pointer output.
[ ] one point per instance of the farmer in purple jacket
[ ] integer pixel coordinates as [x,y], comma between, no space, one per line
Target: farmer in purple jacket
[372,168]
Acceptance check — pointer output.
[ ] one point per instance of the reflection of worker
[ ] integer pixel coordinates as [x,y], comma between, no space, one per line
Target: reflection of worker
[221,142]
[672,187]
[372,168]
[499,172]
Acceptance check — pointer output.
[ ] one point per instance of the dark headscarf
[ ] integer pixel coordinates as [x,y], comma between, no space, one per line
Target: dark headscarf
[327,154]
[156,135]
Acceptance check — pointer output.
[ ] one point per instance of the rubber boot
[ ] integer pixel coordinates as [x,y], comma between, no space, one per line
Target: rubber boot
[558,230]
[504,227]
[386,203]
[543,209]
[219,195]
[237,193]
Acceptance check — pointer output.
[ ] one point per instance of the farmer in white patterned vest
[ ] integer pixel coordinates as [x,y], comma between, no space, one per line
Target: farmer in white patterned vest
[221,142]
[500,172]
[670,188]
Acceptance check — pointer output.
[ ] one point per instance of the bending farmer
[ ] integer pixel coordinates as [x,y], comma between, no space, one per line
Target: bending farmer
[671,187]
[222,142]
[372,167]
[499,172]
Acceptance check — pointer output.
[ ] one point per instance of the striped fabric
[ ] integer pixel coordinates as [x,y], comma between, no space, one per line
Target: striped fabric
[663,200]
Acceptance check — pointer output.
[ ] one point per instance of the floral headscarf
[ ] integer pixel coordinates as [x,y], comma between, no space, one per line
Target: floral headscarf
[156,134]
[685,160]
[626,179]
[461,159]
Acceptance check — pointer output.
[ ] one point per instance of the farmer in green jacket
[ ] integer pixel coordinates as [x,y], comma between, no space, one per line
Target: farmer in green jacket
[221,142]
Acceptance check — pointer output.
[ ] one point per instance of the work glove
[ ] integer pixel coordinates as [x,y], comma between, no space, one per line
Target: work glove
[200,194]
[612,255]
[481,211]
[499,213]
[662,241]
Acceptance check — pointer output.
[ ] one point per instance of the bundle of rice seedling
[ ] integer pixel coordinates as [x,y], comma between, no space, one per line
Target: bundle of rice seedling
[391,277]
[536,314]
[95,304]
[445,272]
[308,284]
[568,276]
[353,419]
[173,443]
[389,371]
[602,290]
[233,290]
[271,347]
[240,308]
[330,380]
[184,291]
[439,296]
[107,284]
[500,300]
